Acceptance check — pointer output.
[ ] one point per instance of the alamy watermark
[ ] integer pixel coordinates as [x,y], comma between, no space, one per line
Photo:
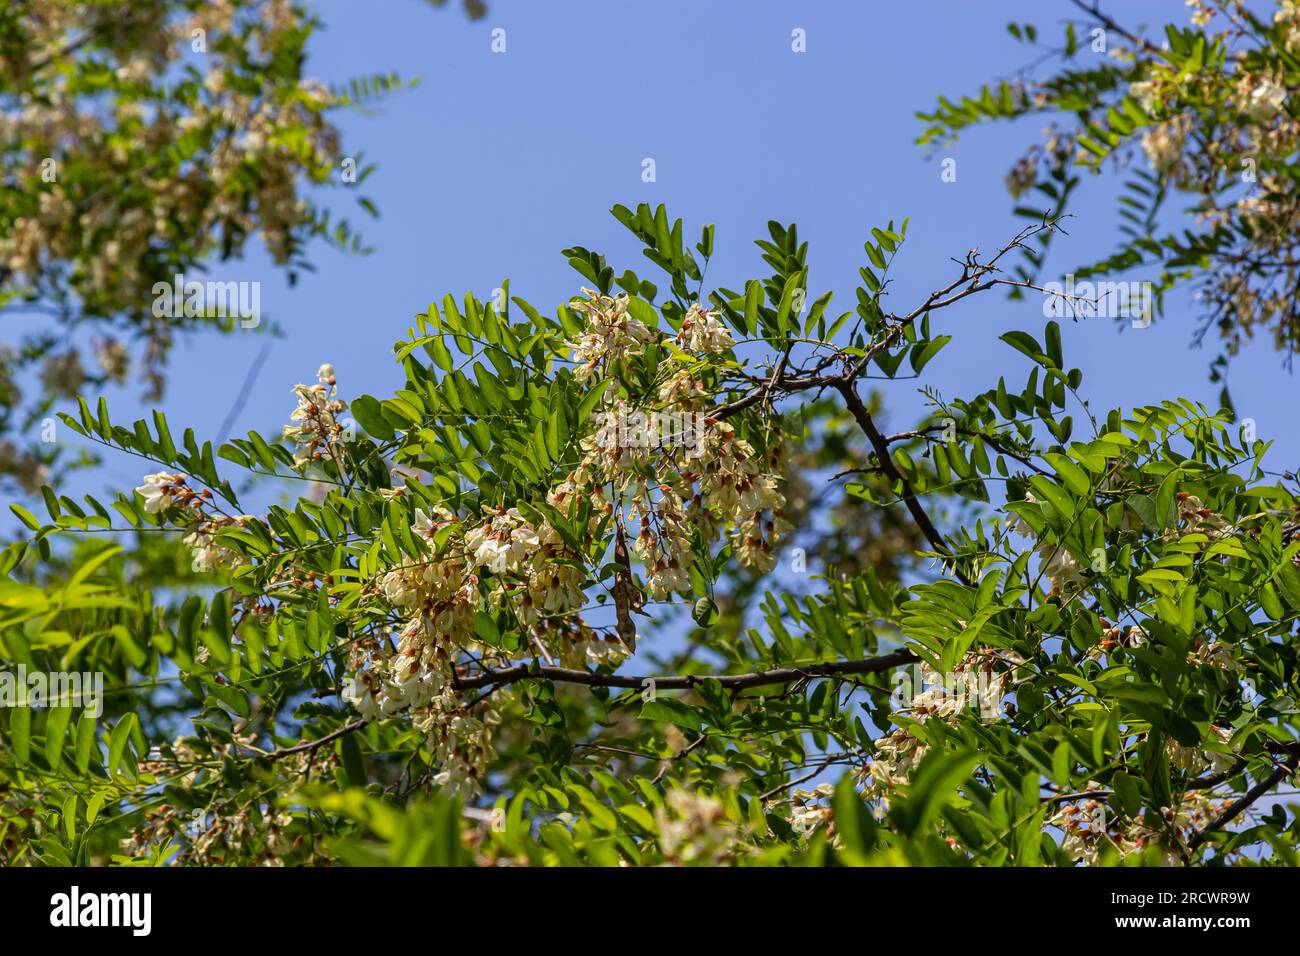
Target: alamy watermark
[55,689]
[1105,300]
[211,299]
[73,909]
[919,688]
[655,429]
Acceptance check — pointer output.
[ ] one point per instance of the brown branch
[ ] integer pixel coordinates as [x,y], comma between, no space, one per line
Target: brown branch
[1244,802]
[669,761]
[795,782]
[1111,24]
[881,447]
[319,742]
[779,675]
[975,277]
[1208,782]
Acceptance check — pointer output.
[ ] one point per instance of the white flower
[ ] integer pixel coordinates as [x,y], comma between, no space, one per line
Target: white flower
[701,332]
[315,417]
[357,692]
[611,334]
[1163,144]
[1018,524]
[1060,566]
[400,588]
[1144,94]
[896,756]
[159,490]
[612,652]
[503,543]
[1264,100]
[208,554]
[1287,19]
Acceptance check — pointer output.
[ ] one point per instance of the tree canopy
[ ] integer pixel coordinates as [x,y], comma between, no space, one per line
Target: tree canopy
[1196,113]
[648,576]
[142,140]
[551,601]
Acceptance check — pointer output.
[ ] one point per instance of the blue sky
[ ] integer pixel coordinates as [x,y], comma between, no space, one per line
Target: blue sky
[497,161]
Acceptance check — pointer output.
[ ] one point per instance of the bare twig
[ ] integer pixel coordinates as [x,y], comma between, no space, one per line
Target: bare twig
[312,745]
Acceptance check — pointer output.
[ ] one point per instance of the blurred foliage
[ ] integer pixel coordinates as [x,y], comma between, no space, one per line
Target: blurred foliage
[144,143]
[1202,112]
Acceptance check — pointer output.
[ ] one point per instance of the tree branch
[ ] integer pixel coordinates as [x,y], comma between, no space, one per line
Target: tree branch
[881,447]
[1111,24]
[318,742]
[1243,803]
[780,675]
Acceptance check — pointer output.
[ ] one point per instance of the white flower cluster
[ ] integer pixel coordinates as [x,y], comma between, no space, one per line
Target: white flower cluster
[1196,518]
[163,490]
[208,554]
[133,112]
[503,543]
[533,574]
[693,828]
[1260,97]
[527,567]
[702,332]
[683,494]
[611,335]
[1287,19]
[1088,830]
[1163,143]
[810,812]
[974,685]
[1196,760]
[460,739]
[316,428]
[1113,636]
[442,597]
[896,757]
[1146,93]
[1221,654]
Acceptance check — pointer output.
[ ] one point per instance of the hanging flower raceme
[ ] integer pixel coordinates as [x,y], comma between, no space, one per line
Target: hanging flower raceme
[702,332]
[504,542]
[679,488]
[611,335]
[316,429]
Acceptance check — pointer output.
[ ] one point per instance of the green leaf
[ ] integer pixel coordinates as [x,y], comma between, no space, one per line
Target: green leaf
[672,711]
[353,766]
[753,299]
[705,612]
[117,741]
[1075,478]
[853,823]
[26,517]
[69,814]
[931,789]
[369,415]
[56,727]
[85,742]
[1126,788]
[20,732]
